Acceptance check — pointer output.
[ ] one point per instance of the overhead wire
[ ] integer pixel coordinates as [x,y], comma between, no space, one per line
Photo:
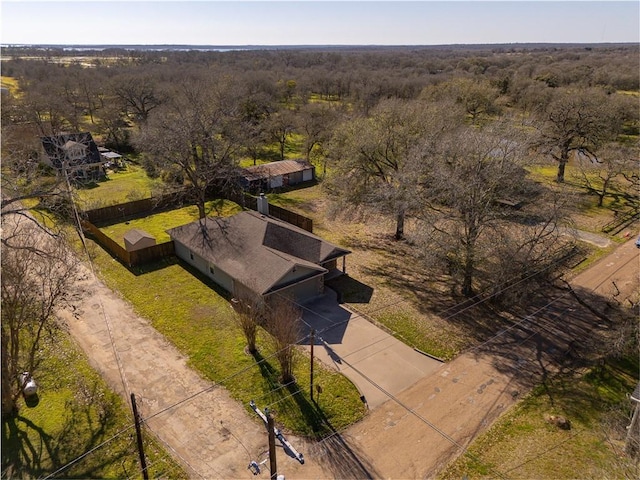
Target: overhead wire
[235,374]
[85,454]
[335,324]
[184,460]
[83,239]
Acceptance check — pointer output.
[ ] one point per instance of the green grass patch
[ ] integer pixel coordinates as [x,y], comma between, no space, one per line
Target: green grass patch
[11,84]
[415,333]
[158,223]
[522,444]
[75,412]
[546,173]
[123,186]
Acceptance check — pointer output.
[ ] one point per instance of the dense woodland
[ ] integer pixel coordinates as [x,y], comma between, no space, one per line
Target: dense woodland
[440,140]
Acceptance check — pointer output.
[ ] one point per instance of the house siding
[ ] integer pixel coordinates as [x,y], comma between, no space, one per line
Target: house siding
[218,276]
[275,182]
[305,290]
[294,276]
[307,175]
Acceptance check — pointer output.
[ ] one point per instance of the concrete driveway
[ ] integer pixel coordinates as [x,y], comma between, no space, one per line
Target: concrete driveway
[367,355]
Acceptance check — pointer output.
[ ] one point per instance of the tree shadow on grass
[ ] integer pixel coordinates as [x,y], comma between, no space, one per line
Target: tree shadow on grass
[29,450]
[21,455]
[343,460]
[308,411]
[269,374]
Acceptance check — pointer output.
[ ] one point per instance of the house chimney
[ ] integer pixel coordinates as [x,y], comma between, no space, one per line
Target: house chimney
[263,204]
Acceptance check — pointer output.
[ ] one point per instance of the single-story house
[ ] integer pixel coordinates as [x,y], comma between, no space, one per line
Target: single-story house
[277,174]
[135,239]
[254,253]
[75,154]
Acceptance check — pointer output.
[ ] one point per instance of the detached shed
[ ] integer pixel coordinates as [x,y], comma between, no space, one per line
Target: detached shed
[277,174]
[136,239]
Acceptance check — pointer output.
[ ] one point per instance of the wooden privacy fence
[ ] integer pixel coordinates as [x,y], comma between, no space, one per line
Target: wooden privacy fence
[249,201]
[130,259]
[291,217]
[139,208]
[136,208]
[175,200]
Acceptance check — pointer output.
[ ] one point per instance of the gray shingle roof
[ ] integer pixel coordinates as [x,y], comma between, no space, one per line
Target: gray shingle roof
[58,148]
[257,250]
[66,147]
[135,235]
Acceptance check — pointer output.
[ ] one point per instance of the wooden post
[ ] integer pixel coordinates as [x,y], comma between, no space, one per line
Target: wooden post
[313,340]
[136,418]
[272,445]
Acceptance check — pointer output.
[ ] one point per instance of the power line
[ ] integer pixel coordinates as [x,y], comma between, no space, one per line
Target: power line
[335,324]
[83,239]
[184,460]
[88,452]
[413,412]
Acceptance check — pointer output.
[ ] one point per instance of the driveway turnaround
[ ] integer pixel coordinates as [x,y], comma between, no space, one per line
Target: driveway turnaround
[374,360]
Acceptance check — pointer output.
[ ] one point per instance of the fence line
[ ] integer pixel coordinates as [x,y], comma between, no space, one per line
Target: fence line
[133,258]
[154,204]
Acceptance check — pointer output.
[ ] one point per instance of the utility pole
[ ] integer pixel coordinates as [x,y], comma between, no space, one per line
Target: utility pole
[272,445]
[313,340]
[136,418]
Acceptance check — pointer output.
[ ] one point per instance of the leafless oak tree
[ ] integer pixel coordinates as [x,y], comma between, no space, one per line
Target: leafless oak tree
[282,323]
[36,272]
[195,133]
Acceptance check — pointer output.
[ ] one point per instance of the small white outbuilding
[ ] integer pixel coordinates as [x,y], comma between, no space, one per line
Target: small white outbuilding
[135,239]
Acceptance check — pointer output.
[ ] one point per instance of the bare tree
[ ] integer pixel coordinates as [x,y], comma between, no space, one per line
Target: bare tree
[371,156]
[23,174]
[283,324]
[577,122]
[316,121]
[281,127]
[36,271]
[598,175]
[139,94]
[196,134]
[255,111]
[250,312]
[471,182]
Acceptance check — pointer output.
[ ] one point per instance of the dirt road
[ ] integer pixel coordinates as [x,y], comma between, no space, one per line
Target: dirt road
[410,436]
[617,274]
[430,423]
[200,430]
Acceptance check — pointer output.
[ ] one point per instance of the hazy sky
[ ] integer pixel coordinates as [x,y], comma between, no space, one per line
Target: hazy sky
[317,23]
